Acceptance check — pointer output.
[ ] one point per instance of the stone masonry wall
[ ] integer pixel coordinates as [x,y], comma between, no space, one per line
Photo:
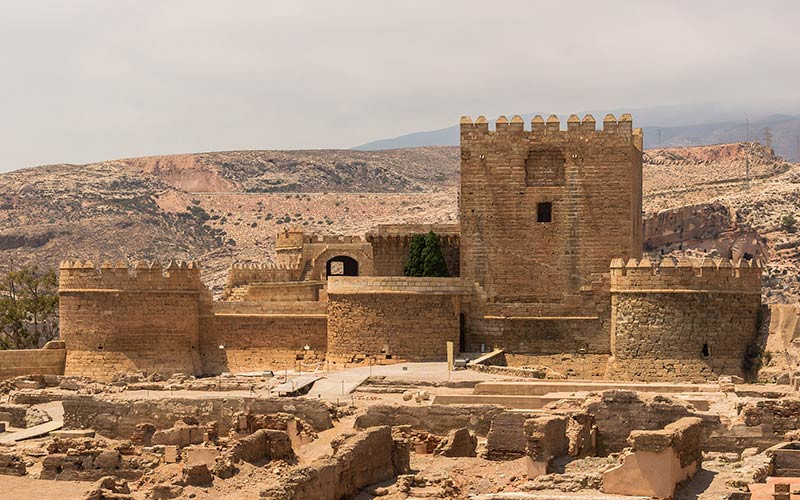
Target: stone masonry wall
[115,320]
[256,339]
[407,318]
[592,181]
[14,363]
[682,320]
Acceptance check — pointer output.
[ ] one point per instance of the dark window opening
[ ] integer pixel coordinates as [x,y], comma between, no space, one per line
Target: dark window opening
[747,256]
[99,348]
[706,351]
[544,212]
[342,266]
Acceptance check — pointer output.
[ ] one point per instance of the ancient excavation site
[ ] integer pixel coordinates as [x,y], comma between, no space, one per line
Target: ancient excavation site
[575,350]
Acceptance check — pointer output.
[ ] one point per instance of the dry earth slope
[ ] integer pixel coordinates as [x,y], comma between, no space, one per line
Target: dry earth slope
[227,206]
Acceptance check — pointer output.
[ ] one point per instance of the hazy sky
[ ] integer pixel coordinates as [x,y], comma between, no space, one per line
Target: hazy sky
[89,80]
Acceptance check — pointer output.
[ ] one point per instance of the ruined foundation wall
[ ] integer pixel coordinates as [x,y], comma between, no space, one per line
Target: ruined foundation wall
[407,318]
[117,320]
[682,320]
[17,362]
[118,418]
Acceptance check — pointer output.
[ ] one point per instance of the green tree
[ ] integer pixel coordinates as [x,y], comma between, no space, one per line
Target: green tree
[425,257]
[413,265]
[28,308]
[433,263]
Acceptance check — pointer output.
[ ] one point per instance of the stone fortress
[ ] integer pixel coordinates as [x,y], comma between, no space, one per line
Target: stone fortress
[546,262]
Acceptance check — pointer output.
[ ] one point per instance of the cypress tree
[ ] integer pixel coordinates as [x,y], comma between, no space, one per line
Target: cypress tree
[433,263]
[413,265]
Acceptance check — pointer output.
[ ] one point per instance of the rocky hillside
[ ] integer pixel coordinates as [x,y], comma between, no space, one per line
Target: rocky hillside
[223,207]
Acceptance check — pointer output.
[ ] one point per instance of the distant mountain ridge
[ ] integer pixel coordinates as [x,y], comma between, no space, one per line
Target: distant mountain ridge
[785,132]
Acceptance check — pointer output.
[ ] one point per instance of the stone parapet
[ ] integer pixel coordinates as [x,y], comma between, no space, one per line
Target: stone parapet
[685,275]
[85,276]
[241,274]
[340,285]
[539,126]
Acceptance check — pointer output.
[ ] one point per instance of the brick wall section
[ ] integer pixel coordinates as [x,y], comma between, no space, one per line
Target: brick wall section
[261,336]
[593,178]
[14,363]
[114,320]
[408,318]
[663,316]
[391,244]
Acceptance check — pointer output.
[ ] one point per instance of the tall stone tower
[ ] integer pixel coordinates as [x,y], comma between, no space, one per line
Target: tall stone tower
[543,209]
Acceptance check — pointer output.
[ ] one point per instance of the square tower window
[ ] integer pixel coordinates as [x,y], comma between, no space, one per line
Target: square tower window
[544,212]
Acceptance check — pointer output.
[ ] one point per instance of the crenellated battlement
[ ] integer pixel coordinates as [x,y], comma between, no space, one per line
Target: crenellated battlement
[244,273]
[622,127]
[685,275]
[118,276]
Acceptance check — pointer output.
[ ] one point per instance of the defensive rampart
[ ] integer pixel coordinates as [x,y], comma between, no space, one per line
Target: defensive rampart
[682,319]
[397,317]
[254,336]
[116,319]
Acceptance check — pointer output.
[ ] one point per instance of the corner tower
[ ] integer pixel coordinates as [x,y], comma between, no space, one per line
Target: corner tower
[543,209]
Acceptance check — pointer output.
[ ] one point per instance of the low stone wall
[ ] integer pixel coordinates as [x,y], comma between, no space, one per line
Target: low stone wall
[618,413]
[119,418]
[405,318]
[14,363]
[435,419]
[658,461]
[359,460]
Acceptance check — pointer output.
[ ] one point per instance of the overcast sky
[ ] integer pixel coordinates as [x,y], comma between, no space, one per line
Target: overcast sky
[90,80]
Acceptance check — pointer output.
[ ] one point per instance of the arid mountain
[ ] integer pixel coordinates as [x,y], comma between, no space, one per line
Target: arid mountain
[225,207]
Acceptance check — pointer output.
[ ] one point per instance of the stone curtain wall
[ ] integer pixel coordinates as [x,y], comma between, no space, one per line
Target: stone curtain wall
[14,363]
[407,318]
[263,336]
[682,320]
[594,187]
[540,336]
[391,243]
[116,320]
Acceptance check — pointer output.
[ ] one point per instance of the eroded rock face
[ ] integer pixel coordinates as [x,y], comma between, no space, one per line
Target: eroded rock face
[109,488]
[12,464]
[264,444]
[196,475]
[458,443]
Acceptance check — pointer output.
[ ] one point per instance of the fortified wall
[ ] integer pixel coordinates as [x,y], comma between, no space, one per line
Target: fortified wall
[393,317]
[114,319]
[682,319]
[543,212]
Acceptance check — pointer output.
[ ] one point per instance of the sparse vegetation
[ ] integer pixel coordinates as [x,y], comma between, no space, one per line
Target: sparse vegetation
[789,223]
